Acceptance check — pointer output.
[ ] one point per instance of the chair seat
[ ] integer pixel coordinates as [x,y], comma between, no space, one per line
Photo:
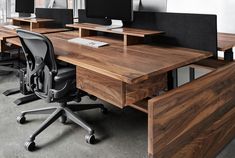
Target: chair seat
[65,74]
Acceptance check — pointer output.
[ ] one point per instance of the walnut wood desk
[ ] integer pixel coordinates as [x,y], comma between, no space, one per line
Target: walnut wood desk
[33,22]
[226,42]
[196,120]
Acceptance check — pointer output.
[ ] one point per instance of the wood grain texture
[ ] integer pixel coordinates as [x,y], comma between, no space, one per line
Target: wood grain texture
[103,87]
[226,41]
[141,105]
[66,35]
[209,143]
[211,64]
[117,92]
[180,119]
[130,64]
[144,89]
[8,33]
[32,20]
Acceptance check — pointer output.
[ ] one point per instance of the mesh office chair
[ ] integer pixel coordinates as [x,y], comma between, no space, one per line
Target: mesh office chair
[52,83]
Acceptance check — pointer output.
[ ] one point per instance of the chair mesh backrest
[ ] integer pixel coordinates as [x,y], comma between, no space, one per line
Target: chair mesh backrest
[40,59]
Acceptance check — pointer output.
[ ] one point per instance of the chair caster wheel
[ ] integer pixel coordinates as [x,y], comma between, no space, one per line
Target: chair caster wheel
[78,99]
[104,111]
[30,145]
[90,139]
[21,119]
[63,119]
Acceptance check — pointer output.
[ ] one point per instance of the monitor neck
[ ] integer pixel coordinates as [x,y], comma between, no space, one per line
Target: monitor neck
[116,23]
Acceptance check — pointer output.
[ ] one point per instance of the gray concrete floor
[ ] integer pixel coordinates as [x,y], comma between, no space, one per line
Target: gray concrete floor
[121,133]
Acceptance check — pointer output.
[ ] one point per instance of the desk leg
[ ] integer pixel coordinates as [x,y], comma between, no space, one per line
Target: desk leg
[31,26]
[3,46]
[228,55]
[172,77]
[192,74]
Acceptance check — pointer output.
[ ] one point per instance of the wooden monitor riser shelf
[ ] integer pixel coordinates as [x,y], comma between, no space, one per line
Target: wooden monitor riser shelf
[130,35]
[33,23]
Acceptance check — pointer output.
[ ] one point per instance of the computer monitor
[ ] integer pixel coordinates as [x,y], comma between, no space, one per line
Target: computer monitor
[24,7]
[110,9]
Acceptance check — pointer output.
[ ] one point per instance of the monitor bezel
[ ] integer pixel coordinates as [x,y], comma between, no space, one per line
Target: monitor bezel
[20,11]
[109,17]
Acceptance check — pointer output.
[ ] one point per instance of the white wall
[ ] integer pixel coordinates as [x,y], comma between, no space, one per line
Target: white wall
[224,9]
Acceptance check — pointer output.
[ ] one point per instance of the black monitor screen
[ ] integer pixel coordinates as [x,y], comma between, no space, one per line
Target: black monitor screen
[24,6]
[110,9]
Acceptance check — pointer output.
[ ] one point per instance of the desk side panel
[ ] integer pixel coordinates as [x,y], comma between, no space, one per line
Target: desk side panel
[196,120]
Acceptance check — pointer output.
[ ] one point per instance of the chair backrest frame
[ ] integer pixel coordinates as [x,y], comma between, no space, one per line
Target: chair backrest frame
[41,62]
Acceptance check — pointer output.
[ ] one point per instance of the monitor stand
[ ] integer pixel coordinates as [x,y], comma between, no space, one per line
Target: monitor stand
[22,15]
[115,24]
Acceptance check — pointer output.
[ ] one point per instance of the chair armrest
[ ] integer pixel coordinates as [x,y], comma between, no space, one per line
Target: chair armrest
[65,74]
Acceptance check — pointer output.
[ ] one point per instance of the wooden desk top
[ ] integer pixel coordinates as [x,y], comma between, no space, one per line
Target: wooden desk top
[130,64]
[8,33]
[33,20]
[123,31]
[225,41]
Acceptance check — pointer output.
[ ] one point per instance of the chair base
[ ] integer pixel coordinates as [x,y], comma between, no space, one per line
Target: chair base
[29,98]
[11,91]
[64,111]
[26,99]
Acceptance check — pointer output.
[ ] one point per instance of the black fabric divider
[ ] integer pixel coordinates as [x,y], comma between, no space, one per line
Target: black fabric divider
[61,16]
[196,31]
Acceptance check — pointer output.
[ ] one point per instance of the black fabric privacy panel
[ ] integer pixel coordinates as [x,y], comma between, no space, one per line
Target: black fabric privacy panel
[196,31]
[84,19]
[61,16]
